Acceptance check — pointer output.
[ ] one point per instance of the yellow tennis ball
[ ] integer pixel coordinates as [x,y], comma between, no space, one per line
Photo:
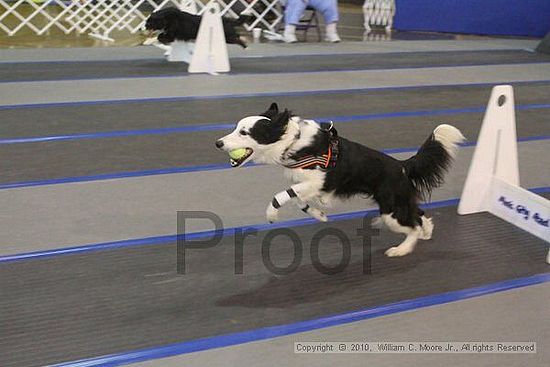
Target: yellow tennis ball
[237,153]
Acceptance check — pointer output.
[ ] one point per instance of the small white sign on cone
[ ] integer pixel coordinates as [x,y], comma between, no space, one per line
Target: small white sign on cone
[520,207]
[210,54]
[492,184]
[495,153]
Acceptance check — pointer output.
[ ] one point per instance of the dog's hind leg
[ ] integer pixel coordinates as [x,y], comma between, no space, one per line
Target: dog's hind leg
[302,191]
[413,233]
[427,226]
[311,210]
[239,41]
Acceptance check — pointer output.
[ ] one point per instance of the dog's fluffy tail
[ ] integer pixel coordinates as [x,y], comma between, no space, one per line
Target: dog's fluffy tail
[427,168]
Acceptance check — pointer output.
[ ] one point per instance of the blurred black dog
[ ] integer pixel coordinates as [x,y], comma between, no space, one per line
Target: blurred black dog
[175,24]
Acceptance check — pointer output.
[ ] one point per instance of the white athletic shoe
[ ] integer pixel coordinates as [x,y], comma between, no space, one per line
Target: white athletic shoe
[331,35]
[289,36]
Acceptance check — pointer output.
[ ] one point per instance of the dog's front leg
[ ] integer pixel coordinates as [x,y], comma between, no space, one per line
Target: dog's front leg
[311,210]
[302,191]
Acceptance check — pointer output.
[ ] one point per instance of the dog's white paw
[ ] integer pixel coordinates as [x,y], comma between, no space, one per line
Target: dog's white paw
[427,229]
[272,214]
[398,251]
[318,214]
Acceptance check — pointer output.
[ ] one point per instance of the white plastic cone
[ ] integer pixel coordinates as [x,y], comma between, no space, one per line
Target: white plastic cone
[492,184]
[495,154]
[210,54]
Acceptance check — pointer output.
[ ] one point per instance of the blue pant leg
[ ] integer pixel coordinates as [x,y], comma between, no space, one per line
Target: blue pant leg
[328,8]
[294,10]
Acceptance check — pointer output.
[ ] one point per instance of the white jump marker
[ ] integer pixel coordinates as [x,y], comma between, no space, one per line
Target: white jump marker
[210,54]
[492,184]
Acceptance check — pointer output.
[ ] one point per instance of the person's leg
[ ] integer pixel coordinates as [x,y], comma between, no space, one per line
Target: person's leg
[329,10]
[293,12]
[330,14]
[331,34]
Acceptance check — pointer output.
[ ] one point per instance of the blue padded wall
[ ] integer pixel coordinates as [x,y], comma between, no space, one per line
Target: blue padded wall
[495,17]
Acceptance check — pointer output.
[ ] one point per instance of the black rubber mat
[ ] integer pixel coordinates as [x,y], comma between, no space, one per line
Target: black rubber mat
[85,118]
[75,306]
[281,64]
[49,160]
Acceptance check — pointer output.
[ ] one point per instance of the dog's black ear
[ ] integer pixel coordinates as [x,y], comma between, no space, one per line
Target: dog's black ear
[271,129]
[271,112]
[283,117]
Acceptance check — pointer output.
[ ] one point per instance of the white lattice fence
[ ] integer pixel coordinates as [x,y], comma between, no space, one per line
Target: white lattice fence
[100,18]
[378,12]
[35,16]
[267,13]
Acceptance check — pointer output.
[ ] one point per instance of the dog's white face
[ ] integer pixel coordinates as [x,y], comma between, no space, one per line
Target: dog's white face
[241,138]
[259,135]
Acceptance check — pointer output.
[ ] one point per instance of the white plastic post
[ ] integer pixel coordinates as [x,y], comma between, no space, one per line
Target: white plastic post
[492,184]
[210,54]
[495,153]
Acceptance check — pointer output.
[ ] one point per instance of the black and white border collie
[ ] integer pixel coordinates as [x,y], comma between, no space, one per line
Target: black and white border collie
[172,24]
[323,166]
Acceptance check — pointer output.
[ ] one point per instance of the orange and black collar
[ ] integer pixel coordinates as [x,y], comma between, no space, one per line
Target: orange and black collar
[325,161]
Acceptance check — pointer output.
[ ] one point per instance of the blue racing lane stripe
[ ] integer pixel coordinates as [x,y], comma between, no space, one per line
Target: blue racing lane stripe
[266,56]
[188,169]
[158,240]
[150,58]
[111,176]
[466,144]
[227,126]
[184,74]
[120,133]
[264,94]
[271,332]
